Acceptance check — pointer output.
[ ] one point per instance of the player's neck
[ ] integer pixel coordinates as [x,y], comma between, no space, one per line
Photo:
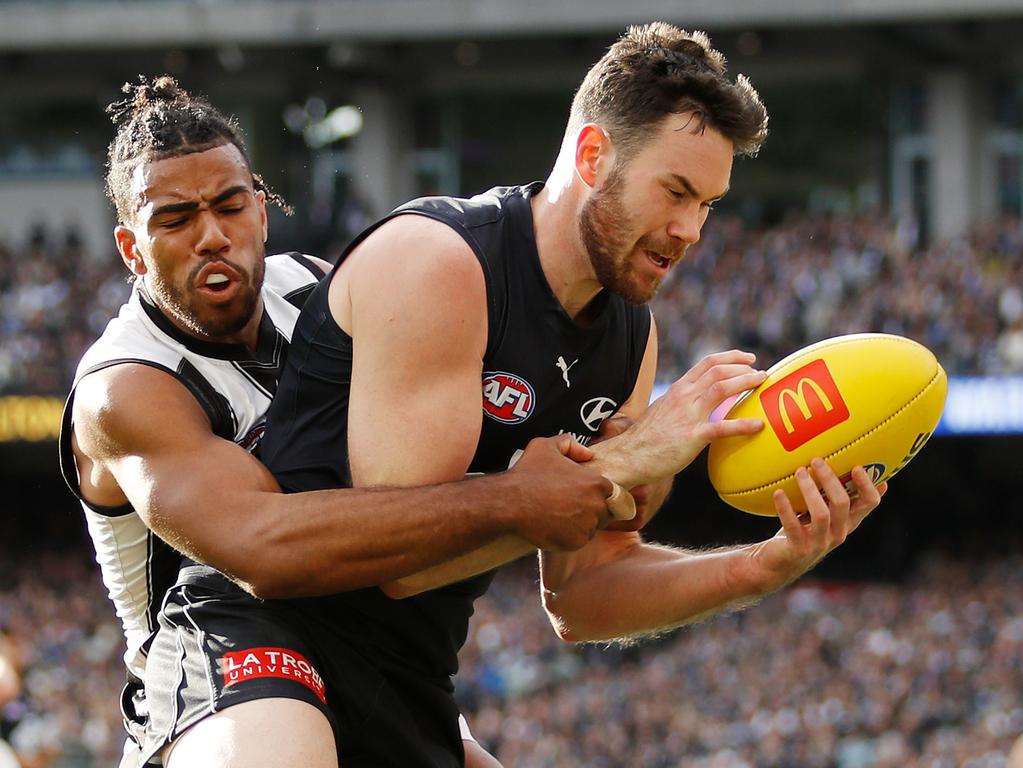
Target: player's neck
[562,254]
[248,336]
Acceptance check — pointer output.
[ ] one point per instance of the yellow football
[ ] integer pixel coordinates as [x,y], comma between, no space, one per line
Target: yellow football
[867,399]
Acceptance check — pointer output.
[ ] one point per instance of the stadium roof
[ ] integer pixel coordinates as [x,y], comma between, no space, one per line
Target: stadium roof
[101,23]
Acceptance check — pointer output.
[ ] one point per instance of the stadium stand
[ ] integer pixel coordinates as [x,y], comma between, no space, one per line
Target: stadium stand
[56,619]
[893,655]
[55,299]
[924,673]
[921,674]
[770,290]
[774,290]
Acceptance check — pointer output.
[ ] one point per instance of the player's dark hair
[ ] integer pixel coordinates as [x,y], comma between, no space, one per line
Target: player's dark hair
[656,70]
[160,119]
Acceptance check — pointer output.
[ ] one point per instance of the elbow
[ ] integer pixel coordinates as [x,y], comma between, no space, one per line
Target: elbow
[564,632]
[563,627]
[398,589]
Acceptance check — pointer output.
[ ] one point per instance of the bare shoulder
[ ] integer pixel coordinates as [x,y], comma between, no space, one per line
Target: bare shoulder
[413,266]
[128,404]
[417,248]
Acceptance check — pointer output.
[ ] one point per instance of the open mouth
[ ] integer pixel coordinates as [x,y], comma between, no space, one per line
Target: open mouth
[219,280]
[660,261]
[217,283]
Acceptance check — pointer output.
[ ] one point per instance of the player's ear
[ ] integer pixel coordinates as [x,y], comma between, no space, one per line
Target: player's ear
[128,248]
[594,153]
[261,202]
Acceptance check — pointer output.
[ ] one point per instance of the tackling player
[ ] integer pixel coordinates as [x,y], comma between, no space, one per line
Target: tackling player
[167,404]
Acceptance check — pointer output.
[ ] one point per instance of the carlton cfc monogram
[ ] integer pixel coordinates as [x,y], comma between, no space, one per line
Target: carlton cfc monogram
[803,405]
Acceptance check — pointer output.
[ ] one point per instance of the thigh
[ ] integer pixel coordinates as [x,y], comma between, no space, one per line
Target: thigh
[218,649]
[264,733]
[477,757]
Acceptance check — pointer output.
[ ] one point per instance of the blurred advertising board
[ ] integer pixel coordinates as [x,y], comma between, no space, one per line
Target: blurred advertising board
[976,405]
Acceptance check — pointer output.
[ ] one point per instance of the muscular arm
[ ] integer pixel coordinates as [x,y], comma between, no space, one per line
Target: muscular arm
[141,437]
[511,547]
[414,301]
[618,586]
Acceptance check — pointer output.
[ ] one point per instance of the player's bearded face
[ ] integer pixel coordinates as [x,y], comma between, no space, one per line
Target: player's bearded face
[201,231]
[608,234]
[184,302]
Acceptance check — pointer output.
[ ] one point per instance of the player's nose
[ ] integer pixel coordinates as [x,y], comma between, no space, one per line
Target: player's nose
[211,235]
[685,224]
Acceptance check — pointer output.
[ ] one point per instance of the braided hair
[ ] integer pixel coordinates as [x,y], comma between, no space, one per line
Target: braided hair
[158,120]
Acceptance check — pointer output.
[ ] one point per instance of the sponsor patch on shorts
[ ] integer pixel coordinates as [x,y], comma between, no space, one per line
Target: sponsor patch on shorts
[255,663]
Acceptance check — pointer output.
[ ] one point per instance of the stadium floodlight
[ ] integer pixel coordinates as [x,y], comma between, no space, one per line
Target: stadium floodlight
[340,123]
[319,127]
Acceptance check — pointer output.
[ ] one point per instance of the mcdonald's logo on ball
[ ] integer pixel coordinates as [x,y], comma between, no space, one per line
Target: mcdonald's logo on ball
[804,404]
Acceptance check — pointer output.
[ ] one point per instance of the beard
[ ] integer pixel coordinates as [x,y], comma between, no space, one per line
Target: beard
[606,231]
[212,322]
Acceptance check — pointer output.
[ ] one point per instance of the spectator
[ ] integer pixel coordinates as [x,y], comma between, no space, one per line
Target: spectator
[10,687]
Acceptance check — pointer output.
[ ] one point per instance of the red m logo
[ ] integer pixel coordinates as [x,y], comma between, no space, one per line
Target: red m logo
[803,405]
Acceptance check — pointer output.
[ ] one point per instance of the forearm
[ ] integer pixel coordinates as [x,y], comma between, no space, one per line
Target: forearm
[277,545]
[488,557]
[511,547]
[645,589]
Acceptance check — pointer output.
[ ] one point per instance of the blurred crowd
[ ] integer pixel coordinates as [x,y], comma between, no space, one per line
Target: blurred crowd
[923,674]
[55,299]
[774,290]
[59,633]
[770,290]
[926,674]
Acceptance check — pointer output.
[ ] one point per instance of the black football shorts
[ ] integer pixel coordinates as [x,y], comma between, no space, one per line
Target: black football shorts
[217,646]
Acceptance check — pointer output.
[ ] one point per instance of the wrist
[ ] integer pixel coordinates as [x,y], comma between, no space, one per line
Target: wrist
[747,577]
[505,505]
[612,459]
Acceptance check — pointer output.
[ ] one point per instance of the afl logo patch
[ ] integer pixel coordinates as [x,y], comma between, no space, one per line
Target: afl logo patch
[507,398]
